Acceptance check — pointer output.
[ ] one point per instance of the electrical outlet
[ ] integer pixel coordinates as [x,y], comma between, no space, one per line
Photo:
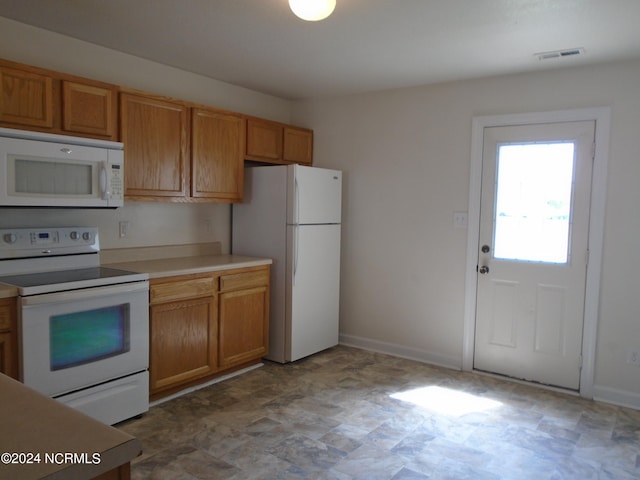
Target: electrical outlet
[633,357]
[207,224]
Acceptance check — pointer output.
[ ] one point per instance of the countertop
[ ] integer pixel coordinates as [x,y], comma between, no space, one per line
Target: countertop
[7,291]
[34,424]
[168,267]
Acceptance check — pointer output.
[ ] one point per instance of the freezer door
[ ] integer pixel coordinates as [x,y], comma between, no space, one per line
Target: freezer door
[314,195]
[313,287]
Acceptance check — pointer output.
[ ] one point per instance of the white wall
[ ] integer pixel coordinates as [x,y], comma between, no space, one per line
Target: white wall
[151,223]
[406,156]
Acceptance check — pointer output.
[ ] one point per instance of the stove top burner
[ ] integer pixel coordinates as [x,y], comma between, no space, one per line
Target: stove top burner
[63,280]
[63,276]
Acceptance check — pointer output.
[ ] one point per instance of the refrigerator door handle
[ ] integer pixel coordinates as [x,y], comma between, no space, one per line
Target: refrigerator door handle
[295,252]
[297,202]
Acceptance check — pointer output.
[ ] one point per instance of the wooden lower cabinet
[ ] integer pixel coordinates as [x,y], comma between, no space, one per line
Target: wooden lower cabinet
[8,365]
[183,328]
[8,338]
[199,330]
[244,318]
[123,472]
[183,341]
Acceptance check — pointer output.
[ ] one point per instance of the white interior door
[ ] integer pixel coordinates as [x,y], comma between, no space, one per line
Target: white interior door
[533,251]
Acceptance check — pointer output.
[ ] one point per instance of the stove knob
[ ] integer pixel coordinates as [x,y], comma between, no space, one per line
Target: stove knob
[86,236]
[74,235]
[10,237]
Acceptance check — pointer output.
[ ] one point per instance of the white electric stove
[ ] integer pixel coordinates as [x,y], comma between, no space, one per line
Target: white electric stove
[83,328]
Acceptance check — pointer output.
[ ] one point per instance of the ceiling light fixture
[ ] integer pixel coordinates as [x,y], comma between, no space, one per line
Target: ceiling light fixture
[312,10]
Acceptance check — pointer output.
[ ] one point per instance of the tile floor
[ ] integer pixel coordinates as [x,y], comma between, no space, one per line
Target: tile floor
[352,414]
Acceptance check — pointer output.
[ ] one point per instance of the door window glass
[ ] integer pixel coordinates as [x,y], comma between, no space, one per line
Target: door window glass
[533,202]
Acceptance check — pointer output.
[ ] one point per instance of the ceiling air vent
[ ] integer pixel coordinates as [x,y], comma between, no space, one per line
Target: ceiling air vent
[571,52]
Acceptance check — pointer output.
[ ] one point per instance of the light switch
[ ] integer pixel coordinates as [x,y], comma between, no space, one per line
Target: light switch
[460,219]
[123,229]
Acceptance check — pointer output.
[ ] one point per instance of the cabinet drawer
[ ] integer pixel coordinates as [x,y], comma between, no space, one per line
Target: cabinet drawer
[178,290]
[235,281]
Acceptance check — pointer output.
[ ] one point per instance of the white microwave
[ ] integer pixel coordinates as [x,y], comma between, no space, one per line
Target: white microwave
[47,170]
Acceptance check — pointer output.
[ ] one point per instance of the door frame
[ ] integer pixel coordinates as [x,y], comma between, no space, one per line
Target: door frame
[602,117]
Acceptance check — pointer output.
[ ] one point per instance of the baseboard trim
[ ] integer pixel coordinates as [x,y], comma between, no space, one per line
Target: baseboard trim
[613,396]
[621,398]
[402,351]
[205,384]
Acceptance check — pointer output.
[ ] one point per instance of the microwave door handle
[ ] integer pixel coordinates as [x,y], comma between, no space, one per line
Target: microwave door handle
[105,189]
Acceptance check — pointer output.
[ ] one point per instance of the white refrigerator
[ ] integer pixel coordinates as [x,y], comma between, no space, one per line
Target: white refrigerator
[292,214]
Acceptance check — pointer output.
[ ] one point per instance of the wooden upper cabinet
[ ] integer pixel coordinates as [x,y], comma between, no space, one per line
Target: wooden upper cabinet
[161,163]
[89,109]
[273,142]
[264,140]
[217,155]
[36,99]
[154,132]
[26,98]
[174,150]
[298,145]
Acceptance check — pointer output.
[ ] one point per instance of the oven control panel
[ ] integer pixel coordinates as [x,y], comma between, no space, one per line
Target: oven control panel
[44,238]
[39,242]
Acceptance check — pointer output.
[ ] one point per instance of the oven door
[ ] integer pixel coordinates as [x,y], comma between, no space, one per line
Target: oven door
[77,339]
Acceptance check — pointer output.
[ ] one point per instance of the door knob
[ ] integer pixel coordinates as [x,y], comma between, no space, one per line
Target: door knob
[483,270]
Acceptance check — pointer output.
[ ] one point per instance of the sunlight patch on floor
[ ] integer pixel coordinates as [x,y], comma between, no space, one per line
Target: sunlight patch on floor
[446,401]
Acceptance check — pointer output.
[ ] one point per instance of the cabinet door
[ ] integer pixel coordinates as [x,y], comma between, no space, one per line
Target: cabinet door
[264,140]
[298,145]
[26,98]
[89,109]
[217,155]
[183,344]
[8,338]
[244,325]
[154,133]
[8,364]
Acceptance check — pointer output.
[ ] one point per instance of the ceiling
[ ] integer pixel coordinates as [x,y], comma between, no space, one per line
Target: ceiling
[365,45]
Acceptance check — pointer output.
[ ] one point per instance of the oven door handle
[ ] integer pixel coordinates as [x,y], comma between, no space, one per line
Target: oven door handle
[84,294]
